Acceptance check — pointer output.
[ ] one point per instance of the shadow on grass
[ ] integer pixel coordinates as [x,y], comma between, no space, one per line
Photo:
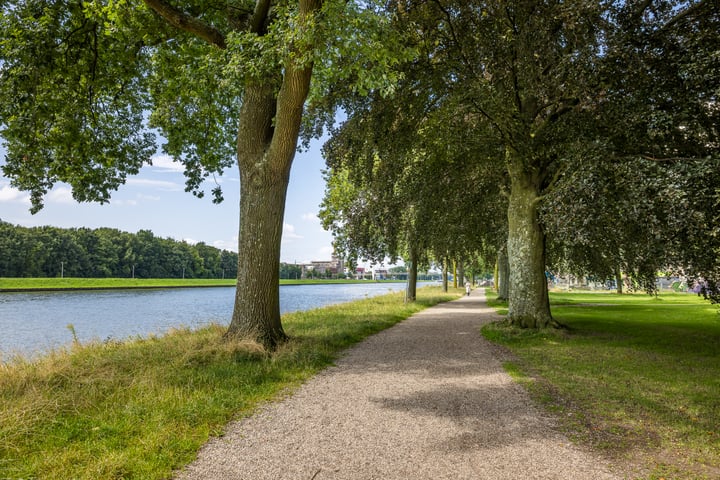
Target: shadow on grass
[643,375]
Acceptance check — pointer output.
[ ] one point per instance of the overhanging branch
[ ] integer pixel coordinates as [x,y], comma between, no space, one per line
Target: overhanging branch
[257,23]
[179,19]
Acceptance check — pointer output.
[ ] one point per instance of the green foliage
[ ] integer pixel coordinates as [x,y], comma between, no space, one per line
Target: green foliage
[72,90]
[290,271]
[82,82]
[608,109]
[105,252]
[226,83]
[633,374]
[143,408]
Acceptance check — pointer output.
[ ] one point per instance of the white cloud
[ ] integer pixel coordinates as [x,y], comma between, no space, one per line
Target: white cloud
[226,245]
[311,217]
[130,203]
[289,232]
[60,195]
[159,184]
[166,163]
[10,194]
[151,198]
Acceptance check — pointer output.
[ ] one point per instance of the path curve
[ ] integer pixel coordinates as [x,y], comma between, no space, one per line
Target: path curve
[425,399]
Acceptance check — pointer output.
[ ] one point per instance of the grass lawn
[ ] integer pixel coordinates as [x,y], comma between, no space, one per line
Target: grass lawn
[635,376]
[142,408]
[96,283]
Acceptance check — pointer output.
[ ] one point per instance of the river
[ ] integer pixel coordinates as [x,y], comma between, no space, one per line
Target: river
[33,322]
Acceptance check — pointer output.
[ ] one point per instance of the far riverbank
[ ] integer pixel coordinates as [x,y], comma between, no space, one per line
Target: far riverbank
[71,284]
[36,321]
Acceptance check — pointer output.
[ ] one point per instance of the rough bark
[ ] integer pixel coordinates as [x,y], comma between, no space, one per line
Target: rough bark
[618,281]
[528,304]
[263,186]
[257,300]
[503,271]
[268,131]
[460,270]
[445,277]
[412,278]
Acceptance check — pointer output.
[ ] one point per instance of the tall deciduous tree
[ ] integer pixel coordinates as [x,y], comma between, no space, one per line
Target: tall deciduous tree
[515,72]
[548,81]
[408,185]
[637,198]
[226,82]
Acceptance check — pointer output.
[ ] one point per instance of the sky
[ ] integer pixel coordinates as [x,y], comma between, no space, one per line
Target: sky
[155,200]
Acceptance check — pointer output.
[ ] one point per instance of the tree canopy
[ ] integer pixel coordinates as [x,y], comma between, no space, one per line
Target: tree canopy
[563,97]
[463,98]
[227,84]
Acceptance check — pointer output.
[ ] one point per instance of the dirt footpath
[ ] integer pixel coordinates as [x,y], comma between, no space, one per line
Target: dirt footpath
[425,399]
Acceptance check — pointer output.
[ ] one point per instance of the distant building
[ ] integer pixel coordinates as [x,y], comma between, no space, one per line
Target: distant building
[334,266]
[380,274]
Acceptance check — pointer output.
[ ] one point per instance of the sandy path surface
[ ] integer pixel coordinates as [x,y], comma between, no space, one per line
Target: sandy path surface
[425,399]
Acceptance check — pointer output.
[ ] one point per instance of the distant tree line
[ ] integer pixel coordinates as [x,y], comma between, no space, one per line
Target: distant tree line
[290,271]
[106,252]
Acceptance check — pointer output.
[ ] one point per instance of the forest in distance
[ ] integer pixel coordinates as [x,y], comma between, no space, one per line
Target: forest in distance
[48,251]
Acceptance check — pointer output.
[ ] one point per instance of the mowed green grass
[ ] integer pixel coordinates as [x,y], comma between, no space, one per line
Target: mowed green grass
[142,408]
[635,376]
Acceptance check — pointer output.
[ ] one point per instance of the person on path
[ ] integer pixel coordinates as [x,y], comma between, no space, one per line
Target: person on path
[467,288]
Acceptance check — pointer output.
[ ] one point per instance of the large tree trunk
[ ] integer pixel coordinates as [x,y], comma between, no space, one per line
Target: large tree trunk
[264,176]
[618,281]
[503,272]
[460,270]
[268,131]
[257,300]
[528,304]
[412,277]
[445,276]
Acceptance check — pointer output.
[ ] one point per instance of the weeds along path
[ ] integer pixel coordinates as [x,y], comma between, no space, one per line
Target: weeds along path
[425,399]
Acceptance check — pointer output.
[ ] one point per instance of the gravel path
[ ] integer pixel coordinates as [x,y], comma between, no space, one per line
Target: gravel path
[425,399]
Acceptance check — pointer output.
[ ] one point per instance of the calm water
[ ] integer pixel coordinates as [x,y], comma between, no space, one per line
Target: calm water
[37,321]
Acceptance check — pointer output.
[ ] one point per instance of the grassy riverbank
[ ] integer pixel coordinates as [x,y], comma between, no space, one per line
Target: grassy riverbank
[141,408]
[30,284]
[635,376]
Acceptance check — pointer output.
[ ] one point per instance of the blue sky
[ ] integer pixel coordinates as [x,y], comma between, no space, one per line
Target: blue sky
[155,200]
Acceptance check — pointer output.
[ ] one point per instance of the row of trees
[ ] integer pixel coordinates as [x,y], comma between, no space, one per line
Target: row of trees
[105,252]
[579,136]
[472,102]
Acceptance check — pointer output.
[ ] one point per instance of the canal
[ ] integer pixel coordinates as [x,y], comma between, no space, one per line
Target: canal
[34,322]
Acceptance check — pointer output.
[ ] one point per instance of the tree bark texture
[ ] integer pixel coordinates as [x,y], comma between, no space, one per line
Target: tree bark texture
[460,274]
[269,125]
[528,304]
[412,278]
[503,272]
[619,281]
[445,276]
